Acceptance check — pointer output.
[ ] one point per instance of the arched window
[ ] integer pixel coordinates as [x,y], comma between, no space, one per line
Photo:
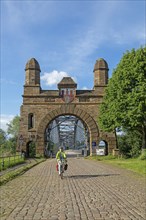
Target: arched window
[62,93]
[30,120]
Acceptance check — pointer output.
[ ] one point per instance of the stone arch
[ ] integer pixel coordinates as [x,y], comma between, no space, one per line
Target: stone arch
[103,143]
[68,110]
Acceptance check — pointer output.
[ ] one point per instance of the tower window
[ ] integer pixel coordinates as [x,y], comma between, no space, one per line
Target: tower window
[62,93]
[30,120]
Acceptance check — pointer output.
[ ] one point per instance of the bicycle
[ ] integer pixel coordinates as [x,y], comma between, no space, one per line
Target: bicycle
[61,164]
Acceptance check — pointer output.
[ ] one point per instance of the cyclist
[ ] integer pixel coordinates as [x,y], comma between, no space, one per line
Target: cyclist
[61,159]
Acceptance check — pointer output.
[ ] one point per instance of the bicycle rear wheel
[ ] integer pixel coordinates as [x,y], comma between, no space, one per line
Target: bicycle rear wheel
[61,171]
[61,175]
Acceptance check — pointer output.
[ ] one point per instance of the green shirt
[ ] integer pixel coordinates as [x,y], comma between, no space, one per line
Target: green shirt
[60,155]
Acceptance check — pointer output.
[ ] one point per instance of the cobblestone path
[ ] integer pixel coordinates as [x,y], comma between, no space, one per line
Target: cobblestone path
[90,190]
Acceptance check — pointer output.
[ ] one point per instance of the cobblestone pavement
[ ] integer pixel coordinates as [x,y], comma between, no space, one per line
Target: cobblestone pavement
[90,190]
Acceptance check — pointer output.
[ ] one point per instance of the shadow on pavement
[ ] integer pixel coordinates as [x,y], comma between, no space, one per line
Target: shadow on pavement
[90,176]
[74,156]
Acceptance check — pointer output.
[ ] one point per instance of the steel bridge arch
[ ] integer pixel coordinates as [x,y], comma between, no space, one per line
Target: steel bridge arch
[67,110]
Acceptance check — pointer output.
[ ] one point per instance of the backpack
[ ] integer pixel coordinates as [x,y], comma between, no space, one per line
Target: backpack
[65,166]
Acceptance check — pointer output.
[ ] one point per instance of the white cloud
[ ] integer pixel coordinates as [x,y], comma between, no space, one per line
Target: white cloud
[102,30]
[128,35]
[74,79]
[85,88]
[53,77]
[90,37]
[4,119]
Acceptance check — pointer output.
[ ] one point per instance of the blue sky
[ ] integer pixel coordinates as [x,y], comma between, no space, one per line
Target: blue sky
[66,38]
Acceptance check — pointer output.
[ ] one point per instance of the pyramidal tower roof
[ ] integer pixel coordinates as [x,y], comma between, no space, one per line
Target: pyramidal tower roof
[67,82]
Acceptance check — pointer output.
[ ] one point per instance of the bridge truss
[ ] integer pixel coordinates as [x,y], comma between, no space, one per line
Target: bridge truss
[67,131]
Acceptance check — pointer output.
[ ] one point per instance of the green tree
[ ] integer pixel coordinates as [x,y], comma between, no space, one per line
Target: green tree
[32,149]
[3,141]
[13,127]
[130,143]
[2,136]
[124,104]
[13,131]
[11,145]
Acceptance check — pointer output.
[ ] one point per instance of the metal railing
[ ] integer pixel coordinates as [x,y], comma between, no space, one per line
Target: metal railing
[10,161]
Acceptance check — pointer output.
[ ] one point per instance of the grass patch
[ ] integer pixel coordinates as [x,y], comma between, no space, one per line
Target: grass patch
[134,164]
[10,161]
[14,173]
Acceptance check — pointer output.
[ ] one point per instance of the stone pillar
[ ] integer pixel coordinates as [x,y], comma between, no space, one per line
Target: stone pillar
[40,146]
[115,152]
[111,145]
[91,146]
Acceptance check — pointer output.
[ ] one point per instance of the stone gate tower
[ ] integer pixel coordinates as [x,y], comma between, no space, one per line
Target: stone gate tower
[40,107]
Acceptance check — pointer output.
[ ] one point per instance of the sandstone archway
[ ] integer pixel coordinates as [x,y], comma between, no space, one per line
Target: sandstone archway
[68,110]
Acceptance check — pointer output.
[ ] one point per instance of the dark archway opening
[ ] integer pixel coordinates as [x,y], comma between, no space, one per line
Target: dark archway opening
[67,131]
[102,148]
[30,149]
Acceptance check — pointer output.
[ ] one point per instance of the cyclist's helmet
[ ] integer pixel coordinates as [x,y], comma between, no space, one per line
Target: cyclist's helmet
[61,148]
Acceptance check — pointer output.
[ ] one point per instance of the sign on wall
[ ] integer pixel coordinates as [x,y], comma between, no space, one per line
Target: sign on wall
[93,143]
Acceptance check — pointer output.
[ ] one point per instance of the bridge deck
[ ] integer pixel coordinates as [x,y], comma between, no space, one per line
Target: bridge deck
[90,190]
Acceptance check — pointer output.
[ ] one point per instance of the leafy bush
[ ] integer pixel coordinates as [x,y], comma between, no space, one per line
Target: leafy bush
[130,144]
[143,155]
[32,149]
